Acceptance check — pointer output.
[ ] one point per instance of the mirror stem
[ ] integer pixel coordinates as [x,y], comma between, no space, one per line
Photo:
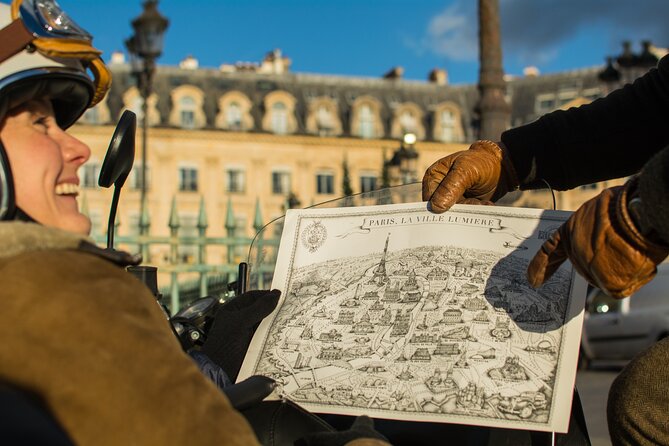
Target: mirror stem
[112,217]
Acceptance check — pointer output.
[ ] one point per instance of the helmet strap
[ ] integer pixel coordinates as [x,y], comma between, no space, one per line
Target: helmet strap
[14,37]
[7,197]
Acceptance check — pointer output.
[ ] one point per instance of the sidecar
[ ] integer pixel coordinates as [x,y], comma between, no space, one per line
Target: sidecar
[280,423]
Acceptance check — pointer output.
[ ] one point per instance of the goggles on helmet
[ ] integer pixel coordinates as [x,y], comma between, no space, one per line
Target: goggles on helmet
[44,26]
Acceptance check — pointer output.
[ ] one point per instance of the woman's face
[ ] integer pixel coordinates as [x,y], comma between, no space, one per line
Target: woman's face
[44,160]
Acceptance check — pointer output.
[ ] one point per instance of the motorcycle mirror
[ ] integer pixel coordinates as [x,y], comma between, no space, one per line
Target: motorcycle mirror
[118,164]
[121,152]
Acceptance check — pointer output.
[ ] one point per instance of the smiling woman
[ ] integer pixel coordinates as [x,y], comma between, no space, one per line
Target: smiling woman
[80,334]
[73,313]
[47,159]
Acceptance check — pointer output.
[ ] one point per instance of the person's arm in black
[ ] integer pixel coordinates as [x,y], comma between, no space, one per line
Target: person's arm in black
[610,138]
[653,191]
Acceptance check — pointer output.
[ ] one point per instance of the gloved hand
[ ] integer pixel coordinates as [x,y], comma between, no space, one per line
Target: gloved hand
[361,430]
[233,327]
[604,246]
[484,172]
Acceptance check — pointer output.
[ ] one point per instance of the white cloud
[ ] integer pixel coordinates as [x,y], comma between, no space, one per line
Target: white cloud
[537,56]
[453,32]
[537,31]
[448,21]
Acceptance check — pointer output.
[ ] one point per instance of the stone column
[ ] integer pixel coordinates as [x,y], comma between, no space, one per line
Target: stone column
[494,111]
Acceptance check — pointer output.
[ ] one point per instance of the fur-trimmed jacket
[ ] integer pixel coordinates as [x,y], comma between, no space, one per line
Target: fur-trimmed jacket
[90,342]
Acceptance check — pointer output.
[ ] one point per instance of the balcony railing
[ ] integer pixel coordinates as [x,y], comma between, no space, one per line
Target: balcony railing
[192,276]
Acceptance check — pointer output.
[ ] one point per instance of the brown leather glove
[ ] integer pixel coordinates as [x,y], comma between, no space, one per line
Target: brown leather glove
[484,173]
[604,246]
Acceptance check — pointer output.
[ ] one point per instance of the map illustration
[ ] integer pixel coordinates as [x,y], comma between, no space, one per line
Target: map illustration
[398,313]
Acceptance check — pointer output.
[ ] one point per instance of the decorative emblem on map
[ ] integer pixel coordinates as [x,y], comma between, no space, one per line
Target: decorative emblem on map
[314,236]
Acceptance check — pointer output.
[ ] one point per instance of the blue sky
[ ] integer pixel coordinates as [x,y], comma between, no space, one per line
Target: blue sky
[368,37]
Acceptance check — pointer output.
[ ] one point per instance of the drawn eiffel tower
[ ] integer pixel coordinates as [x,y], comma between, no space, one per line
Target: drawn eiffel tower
[380,274]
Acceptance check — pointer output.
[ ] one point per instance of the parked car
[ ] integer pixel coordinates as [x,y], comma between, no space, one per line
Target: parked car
[618,329]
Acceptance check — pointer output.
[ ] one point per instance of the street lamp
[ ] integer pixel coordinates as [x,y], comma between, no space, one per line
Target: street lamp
[145,46]
[402,165]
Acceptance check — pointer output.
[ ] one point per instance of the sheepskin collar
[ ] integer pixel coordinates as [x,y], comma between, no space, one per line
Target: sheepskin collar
[18,237]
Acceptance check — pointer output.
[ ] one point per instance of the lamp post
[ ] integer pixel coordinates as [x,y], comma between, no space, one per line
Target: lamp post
[402,166]
[145,46]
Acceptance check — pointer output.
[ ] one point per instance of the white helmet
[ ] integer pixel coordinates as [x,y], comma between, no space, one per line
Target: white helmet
[44,54]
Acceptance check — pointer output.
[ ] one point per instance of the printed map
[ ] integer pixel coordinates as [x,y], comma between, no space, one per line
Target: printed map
[414,316]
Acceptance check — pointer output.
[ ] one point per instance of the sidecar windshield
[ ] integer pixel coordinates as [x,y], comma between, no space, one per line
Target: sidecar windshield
[265,245]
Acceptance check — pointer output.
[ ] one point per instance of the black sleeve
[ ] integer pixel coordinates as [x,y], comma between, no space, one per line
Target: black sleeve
[610,138]
[654,193]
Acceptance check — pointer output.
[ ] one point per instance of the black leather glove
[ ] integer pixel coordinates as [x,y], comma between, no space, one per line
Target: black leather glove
[233,327]
[362,428]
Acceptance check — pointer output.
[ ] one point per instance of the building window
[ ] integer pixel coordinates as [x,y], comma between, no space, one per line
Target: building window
[367,183]
[90,174]
[280,183]
[324,121]
[136,177]
[565,97]
[325,183]
[592,93]
[233,116]
[187,179]
[187,112]
[234,112]
[235,180]
[279,118]
[565,100]
[447,120]
[187,119]
[322,117]
[545,103]
[408,122]
[366,121]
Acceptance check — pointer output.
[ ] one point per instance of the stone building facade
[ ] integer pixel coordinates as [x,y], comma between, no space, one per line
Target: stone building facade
[245,137]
